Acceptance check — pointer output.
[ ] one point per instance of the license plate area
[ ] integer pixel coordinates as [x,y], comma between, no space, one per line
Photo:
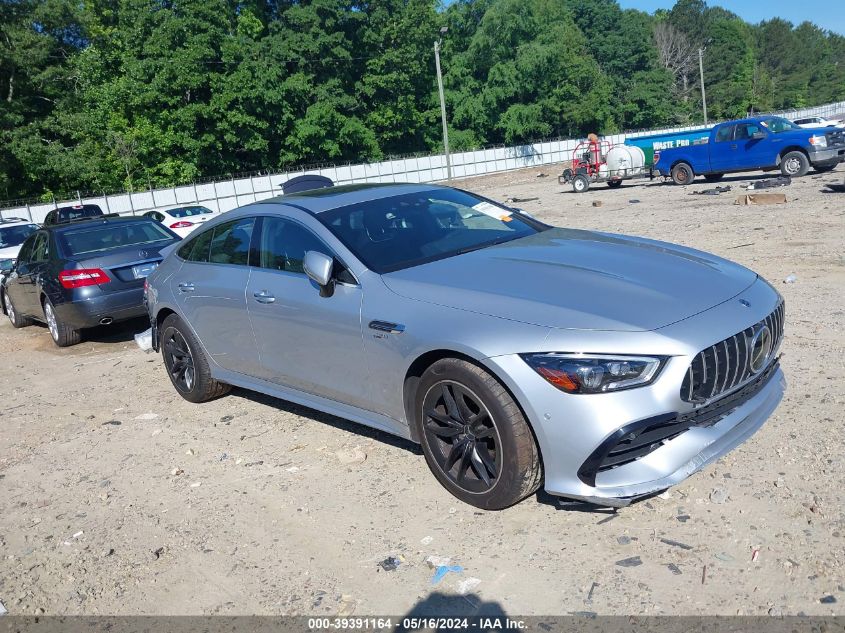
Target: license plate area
[141,271]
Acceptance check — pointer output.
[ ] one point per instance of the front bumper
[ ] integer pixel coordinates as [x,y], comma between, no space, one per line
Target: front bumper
[572,430]
[92,311]
[827,156]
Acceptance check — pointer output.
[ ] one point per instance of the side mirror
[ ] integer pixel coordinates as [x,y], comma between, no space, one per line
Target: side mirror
[318,267]
[758,135]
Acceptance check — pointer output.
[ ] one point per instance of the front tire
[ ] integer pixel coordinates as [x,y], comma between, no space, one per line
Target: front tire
[475,438]
[794,164]
[682,174]
[580,183]
[15,318]
[63,334]
[186,364]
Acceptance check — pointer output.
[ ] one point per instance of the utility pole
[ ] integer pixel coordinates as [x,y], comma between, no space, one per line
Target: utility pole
[701,72]
[443,30]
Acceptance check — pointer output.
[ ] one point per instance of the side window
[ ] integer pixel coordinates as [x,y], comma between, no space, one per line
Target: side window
[725,133]
[745,131]
[25,253]
[39,248]
[230,244]
[283,245]
[196,249]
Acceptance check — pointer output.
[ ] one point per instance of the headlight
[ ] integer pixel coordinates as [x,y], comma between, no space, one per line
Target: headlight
[592,373]
[818,141]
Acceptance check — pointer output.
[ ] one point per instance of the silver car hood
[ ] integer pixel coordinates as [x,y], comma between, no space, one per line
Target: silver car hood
[573,279]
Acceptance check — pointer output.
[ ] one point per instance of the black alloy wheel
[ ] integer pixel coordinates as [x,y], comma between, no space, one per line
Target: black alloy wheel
[463,437]
[178,360]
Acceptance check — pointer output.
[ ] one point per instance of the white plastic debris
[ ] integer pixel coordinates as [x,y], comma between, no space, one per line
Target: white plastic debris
[2,609]
[145,340]
[146,416]
[465,586]
[791,279]
[437,561]
[426,540]
[78,534]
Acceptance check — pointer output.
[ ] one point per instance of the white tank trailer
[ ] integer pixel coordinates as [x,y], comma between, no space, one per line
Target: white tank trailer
[594,163]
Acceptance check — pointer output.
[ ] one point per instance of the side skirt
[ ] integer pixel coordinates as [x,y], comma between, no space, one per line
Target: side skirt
[332,407]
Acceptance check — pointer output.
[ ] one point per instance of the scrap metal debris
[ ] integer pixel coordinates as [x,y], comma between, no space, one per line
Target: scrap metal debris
[391,563]
[634,561]
[770,183]
[512,200]
[712,192]
[675,543]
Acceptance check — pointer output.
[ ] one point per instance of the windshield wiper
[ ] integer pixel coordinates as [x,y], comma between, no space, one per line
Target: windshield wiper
[469,249]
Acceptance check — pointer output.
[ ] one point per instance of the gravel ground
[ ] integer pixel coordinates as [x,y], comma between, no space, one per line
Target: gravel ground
[118,497]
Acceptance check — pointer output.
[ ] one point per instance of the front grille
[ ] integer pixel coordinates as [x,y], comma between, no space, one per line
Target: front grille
[835,138]
[638,439]
[725,366]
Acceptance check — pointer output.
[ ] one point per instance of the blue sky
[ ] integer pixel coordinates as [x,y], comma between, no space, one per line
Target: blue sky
[828,14]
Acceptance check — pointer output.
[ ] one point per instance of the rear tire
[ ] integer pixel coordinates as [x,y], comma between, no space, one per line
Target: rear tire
[682,174]
[15,318]
[475,438]
[580,183]
[186,364]
[63,335]
[794,164]
[713,177]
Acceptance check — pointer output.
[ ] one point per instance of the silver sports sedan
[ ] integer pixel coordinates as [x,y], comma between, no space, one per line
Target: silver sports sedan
[603,367]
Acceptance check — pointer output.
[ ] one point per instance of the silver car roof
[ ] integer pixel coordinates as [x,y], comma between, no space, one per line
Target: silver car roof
[319,200]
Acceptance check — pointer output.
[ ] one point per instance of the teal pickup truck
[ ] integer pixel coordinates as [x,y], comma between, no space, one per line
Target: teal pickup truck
[764,143]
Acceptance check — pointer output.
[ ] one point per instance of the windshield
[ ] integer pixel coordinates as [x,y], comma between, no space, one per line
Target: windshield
[403,231]
[105,237]
[185,212]
[15,235]
[777,124]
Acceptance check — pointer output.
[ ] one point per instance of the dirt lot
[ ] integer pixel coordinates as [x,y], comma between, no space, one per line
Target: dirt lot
[118,497]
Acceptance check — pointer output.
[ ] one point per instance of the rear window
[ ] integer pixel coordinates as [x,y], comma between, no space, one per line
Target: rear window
[67,214]
[106,237]
[186,212]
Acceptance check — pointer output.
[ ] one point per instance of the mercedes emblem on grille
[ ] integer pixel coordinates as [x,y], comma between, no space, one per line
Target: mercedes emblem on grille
[761,349]
[143,253]
[745,303]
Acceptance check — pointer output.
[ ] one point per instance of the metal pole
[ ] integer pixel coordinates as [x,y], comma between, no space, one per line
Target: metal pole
[701,72]
[442,110]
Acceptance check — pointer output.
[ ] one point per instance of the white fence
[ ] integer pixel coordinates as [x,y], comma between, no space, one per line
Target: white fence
[224,195]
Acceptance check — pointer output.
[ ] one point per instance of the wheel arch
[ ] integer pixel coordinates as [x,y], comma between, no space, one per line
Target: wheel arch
[424,361]
[792,148]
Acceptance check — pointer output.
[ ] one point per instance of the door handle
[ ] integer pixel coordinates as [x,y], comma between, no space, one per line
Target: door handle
[733,146]
[186,287]
[264,297]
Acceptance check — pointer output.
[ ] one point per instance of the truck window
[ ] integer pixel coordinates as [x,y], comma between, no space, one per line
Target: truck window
[746,130]
[725,133]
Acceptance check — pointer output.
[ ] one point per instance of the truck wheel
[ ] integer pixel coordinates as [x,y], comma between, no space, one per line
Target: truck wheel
[682,174]
[580,183]
[794,163]
[713,177]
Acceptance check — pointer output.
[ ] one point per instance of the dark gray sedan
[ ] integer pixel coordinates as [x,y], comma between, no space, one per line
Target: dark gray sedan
[82,274]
